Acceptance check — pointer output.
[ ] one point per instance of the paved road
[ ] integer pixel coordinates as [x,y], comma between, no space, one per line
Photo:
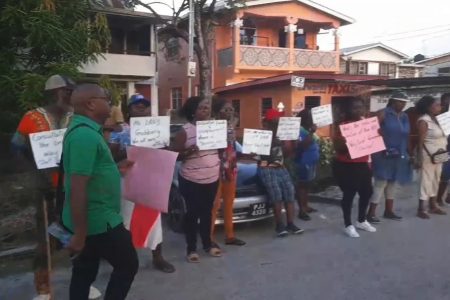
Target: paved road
[403,260]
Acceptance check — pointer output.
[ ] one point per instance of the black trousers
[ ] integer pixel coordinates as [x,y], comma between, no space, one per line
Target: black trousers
[199,200]
[353,178]
[116,247]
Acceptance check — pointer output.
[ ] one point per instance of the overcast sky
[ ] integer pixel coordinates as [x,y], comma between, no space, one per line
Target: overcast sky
[410,26]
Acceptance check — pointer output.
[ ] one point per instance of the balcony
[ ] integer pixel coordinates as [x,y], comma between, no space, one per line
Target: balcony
[121,65]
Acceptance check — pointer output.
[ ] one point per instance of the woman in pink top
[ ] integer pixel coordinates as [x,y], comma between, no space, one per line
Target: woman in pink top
[198,178]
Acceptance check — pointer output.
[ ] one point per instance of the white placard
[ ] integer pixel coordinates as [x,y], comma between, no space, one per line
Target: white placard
[297,81]
[289,128]
[322,115]
[47,148]
[211,134]
[257,141]
[444,122]
[150,132]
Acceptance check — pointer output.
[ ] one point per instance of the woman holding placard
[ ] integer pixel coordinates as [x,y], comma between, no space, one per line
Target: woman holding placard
[198,179]
[352,175]
[431,154]
[391,167]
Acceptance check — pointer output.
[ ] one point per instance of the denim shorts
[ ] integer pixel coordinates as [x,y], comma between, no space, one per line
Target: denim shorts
[278,184]
[306,172]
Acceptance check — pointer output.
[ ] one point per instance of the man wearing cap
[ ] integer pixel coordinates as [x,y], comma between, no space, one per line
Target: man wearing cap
[144,222]
[391,167]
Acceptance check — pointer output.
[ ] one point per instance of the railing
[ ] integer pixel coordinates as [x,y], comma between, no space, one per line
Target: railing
[254,56]
[315,60]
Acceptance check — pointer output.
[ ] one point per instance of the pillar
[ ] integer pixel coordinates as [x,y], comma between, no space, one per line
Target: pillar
[236,44]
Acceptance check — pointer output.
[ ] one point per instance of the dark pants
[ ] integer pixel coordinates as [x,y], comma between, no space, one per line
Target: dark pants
[115,247]
[199,200]
[353,178]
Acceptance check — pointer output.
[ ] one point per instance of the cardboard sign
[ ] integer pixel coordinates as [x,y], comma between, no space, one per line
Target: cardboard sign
[211,134]
[288,128]
[322,115]
[47,148]
[150,132]
[362,137]
[444,122]
[257,141]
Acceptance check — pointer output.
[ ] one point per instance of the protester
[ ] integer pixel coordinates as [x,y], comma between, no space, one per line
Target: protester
[352,175]
[223,110]
[276,179]
[92,208]
[391,167]
[432,142]
[148,220]
[445,176]
[198,179]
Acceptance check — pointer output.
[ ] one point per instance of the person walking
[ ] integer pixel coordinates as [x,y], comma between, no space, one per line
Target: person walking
[198,179]
[223,110]
[92,208]
[147,221]
[391,167]
[431,154]
[353,175]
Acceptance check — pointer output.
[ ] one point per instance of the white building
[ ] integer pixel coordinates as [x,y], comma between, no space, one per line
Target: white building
[436,66]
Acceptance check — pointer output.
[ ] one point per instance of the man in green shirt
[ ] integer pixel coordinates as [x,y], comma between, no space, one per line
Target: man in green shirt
[92,207]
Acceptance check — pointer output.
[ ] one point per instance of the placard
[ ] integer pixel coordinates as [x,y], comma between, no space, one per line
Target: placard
[47,148]
[289,128]
[257,141]
[211,134]
[444,122]
[362,137]
[322,115]
[150,132]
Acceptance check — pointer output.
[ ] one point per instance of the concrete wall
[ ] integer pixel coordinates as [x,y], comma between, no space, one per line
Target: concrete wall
[432,69]
[121,65]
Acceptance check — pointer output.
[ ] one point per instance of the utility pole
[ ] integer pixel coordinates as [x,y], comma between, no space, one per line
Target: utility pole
[191,44]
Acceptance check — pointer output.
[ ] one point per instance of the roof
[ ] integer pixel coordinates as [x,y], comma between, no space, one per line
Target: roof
[308,76]
[433,58]
[116,8]
[408,82]
[360,48]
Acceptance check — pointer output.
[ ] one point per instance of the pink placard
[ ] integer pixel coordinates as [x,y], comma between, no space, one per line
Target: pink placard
[148,181]
[362,137]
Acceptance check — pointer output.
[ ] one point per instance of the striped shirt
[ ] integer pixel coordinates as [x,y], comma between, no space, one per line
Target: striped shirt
[202,167]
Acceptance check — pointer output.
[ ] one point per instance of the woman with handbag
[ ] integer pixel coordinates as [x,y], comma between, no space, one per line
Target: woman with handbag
[431,154]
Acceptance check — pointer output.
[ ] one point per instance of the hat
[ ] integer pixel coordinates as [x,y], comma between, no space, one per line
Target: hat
[138,98]
[400,96]
[273,114]
[59,81]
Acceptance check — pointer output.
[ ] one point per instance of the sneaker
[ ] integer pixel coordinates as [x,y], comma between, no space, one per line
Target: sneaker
[373,220]
[351,231]
[94,293]
[281,230]
[292,228]
[303,216]
[392,216]
[365,226]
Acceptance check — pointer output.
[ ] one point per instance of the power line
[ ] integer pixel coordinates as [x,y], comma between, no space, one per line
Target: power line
[411,31]
[417,35]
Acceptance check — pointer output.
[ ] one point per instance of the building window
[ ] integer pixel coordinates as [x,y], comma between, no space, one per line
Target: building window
[237,111]
[362,68]
[358,68]
[176,96]
[266,104]
[172,47]
[387,70]
[311,102]
[444,71]
[248,32]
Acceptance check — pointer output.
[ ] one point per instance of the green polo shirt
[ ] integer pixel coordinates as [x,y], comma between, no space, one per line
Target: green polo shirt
[86,153]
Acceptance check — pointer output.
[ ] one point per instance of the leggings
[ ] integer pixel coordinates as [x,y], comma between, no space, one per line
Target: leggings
[199,200]
[353,178]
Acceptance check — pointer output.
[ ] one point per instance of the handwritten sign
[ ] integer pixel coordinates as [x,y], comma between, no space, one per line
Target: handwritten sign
[211,134]
[47,148]
[150,132]
[362,137]
[257,141]
[322,115]
[288,128]
[444,122]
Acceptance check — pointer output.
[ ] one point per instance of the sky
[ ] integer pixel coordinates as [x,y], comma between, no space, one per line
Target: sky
[410,26]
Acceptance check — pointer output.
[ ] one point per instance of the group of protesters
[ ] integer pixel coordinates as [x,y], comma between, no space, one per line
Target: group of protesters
[94,160]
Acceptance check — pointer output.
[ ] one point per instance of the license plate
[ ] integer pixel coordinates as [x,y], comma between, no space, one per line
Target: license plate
[258,209]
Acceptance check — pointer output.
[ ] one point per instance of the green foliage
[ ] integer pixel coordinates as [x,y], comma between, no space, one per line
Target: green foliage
[326,151]
[41,38]
[113,89]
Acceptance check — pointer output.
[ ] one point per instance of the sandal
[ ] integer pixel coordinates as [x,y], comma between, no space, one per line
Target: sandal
[163,266]
[437,211]
[214,251]
[235,242]
[193,258]
[422,214]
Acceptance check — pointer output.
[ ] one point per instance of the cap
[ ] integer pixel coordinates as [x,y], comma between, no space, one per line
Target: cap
[138,98]
[400,96]
[58,81]
[273,114]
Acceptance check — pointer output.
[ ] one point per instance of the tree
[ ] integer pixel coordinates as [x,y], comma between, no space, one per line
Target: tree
[41,38]
[207,16]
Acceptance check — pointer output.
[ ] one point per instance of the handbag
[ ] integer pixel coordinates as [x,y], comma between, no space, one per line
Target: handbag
[438,157]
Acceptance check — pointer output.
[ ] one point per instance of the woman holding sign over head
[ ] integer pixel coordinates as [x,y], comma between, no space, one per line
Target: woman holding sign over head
[198,179]
[431,154]
[353,175]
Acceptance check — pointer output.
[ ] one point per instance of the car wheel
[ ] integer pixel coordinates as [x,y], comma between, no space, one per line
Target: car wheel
[177,210]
